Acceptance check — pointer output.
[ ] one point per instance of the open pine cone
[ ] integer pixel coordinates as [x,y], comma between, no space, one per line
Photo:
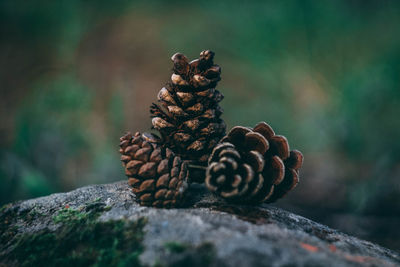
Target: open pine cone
[187,114]
[253,165]
[157,175]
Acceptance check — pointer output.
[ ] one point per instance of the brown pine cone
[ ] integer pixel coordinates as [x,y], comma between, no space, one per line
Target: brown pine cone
[157,175]
[253,165]
[188,114]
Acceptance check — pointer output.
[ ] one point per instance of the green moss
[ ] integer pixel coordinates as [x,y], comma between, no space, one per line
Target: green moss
[34,214]
[70,215]
[175,247]
[7,235]
[4,207]
[188,255]
[80,240]
[8,230]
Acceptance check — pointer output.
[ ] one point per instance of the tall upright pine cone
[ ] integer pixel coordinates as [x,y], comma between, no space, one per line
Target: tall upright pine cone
[157,175]
[188,114]
[253,165]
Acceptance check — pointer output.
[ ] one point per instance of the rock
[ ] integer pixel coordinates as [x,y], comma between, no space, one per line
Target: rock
[102,225]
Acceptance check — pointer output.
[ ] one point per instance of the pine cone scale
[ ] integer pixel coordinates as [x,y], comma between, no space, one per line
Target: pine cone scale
[157,176]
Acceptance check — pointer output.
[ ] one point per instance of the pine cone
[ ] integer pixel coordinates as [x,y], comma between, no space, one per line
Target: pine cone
[253,165]
[187,114]
[157,175]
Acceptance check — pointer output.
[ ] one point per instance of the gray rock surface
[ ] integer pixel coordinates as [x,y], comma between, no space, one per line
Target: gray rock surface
[207,232]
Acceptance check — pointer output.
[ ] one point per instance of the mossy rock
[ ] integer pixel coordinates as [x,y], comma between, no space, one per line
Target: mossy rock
[102,225]
[76,239]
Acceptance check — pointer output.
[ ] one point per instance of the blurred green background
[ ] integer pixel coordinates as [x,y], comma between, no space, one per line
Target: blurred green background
[75,75]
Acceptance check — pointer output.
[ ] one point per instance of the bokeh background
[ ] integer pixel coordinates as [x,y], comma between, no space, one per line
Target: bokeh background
[75,75]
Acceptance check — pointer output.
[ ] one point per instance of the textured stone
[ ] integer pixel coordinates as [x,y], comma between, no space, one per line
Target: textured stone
[207,232]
